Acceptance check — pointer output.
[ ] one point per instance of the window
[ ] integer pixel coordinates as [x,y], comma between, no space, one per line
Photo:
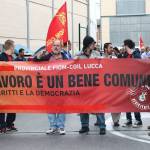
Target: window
[130,7]
[124,27]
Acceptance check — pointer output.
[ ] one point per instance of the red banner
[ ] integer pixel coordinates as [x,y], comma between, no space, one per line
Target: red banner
[58,28]
[75,86]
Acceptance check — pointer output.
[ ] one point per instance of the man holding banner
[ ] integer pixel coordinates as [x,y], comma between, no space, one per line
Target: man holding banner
[56,36]
[88,46]
[7,124]
[57,121]
[129,46]
[108,53]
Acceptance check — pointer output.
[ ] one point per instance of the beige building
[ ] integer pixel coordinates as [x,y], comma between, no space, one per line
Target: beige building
[27,21]
[121,19]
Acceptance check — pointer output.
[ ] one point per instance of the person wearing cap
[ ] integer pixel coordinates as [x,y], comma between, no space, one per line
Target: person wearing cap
[88,46]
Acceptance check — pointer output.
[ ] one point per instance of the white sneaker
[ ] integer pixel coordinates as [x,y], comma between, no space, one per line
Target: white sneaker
[62,131]
[137,124]
[51,131]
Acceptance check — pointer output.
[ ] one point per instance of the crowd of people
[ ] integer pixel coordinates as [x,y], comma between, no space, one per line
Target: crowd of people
[61,51]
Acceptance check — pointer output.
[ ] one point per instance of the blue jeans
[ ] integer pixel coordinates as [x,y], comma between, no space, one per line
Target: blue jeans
[100,118]
[57,120]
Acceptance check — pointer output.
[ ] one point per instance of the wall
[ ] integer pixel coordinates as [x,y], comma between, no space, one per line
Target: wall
[13,22]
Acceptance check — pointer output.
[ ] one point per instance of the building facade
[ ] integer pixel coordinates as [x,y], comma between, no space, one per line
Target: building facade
[122,19]
[27,21]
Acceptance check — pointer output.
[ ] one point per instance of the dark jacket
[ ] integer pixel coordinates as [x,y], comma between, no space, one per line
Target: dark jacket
[135,54]
[47,57]
[20,59]
[68,55]
[3,57]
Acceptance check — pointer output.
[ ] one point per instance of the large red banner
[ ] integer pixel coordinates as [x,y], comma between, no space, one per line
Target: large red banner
[75,86]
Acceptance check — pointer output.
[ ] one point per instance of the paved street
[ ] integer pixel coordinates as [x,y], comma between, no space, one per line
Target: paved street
[32,127]
[72,56]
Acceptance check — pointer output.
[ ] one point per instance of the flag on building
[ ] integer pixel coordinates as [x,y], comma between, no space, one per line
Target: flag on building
[58,28]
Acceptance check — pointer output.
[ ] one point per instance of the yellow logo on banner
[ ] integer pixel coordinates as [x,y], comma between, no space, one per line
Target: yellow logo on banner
[62,18]
[50,41]
[58,35]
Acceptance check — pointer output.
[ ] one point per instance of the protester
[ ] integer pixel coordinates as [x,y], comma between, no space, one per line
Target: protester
[88,46]
[142,50]
[117,52]
[67,49]
[131,52]
[20,56]
[7,120]
[95,52]
[96,55]
[108,53]
[122,52]
[145,54]
[57,121]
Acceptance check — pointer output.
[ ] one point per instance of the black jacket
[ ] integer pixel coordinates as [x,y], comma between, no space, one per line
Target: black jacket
[48,56]
[3,57]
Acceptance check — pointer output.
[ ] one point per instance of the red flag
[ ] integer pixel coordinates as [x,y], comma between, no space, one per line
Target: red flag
[141,43]
[58,28]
